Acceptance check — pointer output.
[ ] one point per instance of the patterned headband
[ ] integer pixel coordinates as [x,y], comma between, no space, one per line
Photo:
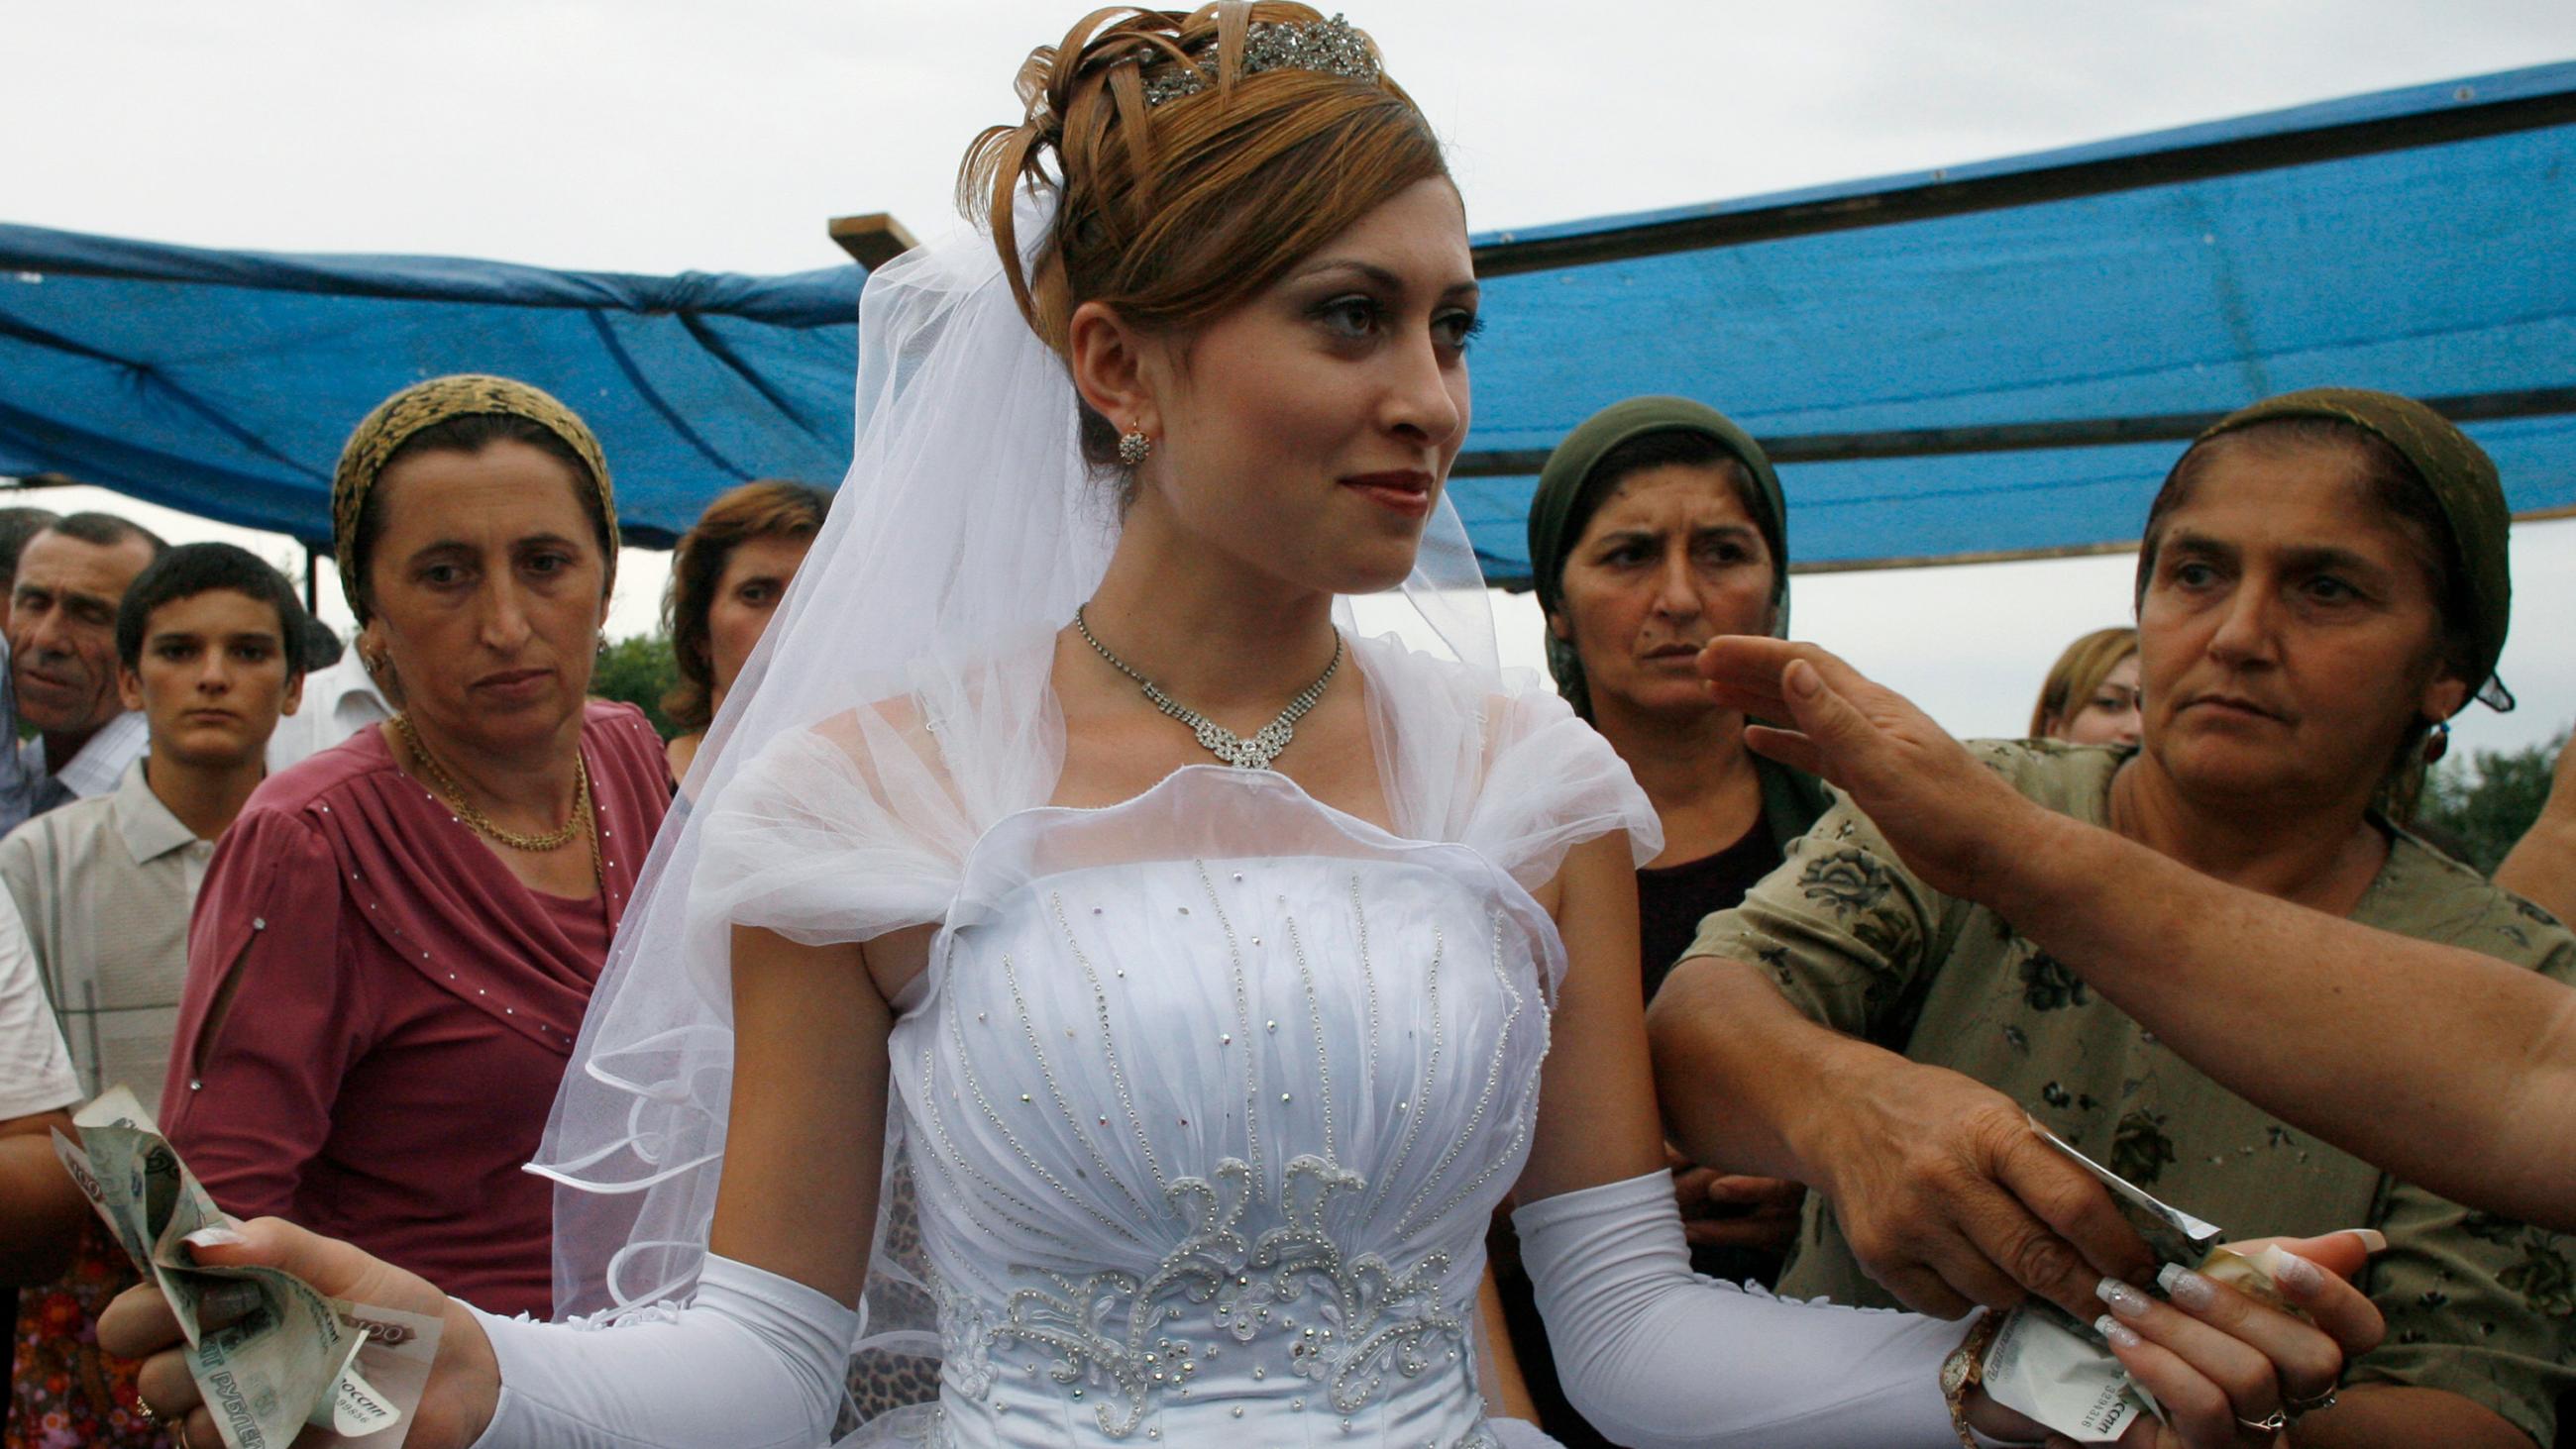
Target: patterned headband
[424,405]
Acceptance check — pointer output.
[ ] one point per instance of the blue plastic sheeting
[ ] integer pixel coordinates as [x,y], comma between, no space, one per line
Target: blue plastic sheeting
[223,383]
[2440,270]
[1964,358]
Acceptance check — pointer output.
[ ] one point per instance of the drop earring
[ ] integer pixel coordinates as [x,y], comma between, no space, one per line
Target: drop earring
[2437,742]
[1134,447]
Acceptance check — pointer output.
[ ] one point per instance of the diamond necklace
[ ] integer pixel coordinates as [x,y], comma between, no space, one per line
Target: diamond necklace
[1254,753]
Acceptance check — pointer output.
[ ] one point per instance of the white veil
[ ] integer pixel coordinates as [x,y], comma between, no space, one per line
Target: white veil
[967,520]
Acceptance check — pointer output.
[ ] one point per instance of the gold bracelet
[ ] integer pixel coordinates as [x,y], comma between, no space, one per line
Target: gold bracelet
[1964,1369]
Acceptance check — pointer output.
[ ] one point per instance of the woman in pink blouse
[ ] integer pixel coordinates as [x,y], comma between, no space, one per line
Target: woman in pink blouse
[397,939]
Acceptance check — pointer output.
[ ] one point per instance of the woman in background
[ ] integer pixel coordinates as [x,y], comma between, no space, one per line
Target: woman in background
[2091,697]
[728,573]
[1657,526]
[397,938]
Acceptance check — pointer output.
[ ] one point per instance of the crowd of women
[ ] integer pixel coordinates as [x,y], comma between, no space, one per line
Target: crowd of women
[1064,986]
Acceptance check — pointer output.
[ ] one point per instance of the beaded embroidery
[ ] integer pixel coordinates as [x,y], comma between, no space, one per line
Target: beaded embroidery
[1132,1339]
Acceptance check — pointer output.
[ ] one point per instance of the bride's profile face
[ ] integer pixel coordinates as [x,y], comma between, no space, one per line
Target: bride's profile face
[1309,431]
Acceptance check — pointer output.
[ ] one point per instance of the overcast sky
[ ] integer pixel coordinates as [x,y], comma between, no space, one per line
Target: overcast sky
[657,136]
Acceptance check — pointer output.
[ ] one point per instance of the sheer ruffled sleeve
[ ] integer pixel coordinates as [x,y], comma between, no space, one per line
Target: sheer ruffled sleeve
[1551,783]
[838,833]
[1511,772]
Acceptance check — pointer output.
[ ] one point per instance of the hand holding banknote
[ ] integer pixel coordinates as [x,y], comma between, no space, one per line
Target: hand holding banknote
[299,1339]
[2220,1365]
[463,1380]
[2244,1339]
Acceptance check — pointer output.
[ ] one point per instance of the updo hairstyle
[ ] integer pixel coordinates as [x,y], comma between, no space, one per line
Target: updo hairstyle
[1176,213]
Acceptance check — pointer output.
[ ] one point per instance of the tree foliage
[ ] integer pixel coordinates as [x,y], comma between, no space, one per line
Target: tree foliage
[638,670]
[2484,804]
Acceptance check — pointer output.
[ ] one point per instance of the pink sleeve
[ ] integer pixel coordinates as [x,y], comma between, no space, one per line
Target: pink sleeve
[249,1102]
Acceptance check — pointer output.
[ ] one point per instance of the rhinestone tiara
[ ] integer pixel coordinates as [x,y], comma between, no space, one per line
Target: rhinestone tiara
[1332,47]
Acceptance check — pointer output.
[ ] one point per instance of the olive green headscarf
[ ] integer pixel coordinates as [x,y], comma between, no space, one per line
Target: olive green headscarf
[1569,489]
[1568,492]
[425,404]
[2462,481]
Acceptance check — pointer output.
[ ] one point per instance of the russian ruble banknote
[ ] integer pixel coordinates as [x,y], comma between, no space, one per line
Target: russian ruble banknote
[2050,1366]
[292,1359]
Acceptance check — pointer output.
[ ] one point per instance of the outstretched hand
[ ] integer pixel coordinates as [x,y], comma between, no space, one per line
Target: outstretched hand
[464,1380]
[1946,815]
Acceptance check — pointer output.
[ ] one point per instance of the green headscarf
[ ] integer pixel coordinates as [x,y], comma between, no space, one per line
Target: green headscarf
[1568,492]
[2462,481]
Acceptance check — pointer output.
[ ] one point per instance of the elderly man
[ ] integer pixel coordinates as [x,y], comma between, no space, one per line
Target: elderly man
[62,660]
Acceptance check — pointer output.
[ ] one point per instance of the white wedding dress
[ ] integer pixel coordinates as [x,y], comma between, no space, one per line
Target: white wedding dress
[1206,1098]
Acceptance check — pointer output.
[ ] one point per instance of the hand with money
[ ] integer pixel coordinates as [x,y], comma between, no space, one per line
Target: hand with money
[2226,1370]
[462,1380]
[262,1336]
[1947,1197]
[2246,1338]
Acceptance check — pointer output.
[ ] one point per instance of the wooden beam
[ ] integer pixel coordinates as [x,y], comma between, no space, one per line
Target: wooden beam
[872,240]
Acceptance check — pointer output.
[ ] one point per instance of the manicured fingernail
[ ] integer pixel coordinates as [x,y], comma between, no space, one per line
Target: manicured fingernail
[2295,1273]
[2371,1239]
[2185,1287]
[214,1238]
[2117,1332]
[2125,1301]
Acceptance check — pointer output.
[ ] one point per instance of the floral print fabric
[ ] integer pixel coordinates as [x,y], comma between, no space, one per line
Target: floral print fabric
[2476,1305]
[64,1392]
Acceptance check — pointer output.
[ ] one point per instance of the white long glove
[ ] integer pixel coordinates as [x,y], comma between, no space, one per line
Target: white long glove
[1660,1358]
[755,1362]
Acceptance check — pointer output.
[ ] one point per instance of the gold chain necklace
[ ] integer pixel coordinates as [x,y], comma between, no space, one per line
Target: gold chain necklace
[483,825]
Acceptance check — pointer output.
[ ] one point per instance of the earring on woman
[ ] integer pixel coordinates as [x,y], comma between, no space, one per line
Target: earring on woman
[1134,447]
[2437,741]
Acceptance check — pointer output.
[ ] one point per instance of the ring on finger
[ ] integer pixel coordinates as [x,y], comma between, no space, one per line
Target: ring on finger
[2301,1408]
[2272,1423]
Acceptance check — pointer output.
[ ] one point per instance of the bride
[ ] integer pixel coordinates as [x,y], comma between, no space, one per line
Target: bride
[1131,1022]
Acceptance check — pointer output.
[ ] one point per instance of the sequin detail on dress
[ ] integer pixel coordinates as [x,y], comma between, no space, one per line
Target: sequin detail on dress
[1208,1144]
[1133,1340]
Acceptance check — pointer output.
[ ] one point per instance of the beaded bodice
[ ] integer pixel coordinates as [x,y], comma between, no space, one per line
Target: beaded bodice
[1206,1138]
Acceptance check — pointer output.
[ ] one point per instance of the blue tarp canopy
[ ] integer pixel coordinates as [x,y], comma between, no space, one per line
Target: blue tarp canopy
[223,383]
[2002,360]
[1986,361]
